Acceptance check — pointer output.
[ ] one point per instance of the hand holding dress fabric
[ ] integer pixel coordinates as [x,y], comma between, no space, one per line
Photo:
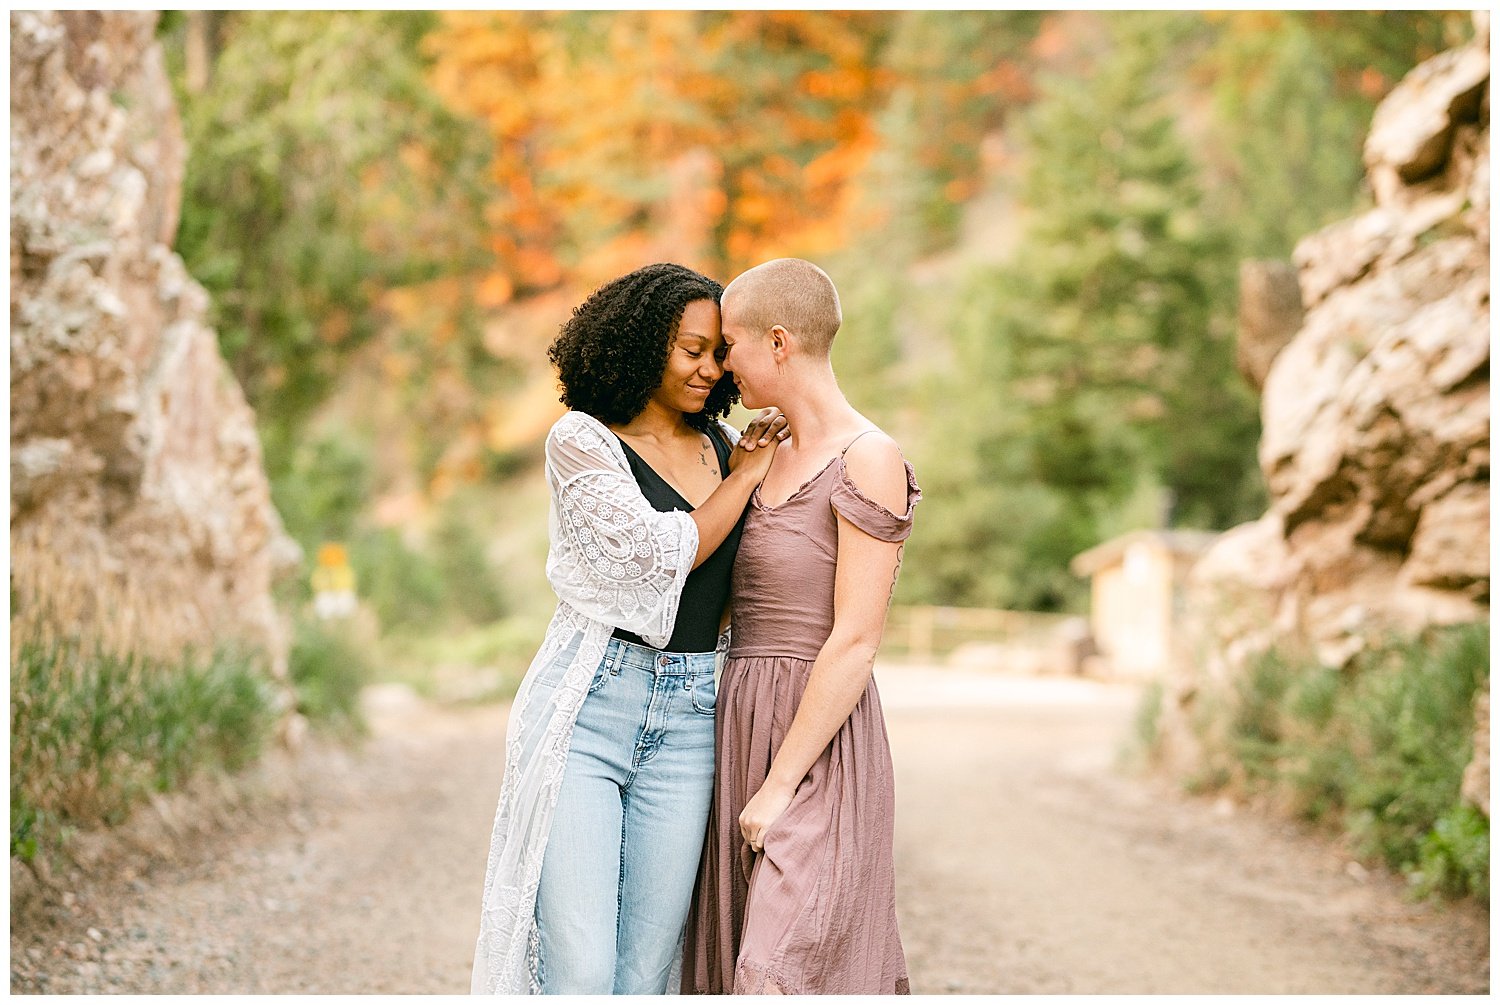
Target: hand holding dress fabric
[762,811]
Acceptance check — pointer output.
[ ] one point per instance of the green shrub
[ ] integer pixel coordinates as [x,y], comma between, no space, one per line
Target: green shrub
[92,732]
[1148,717]
[1258,723]
[423,660]
[327,484]
[403,586]
[329,665]
[1411,714]
[1455,856]
[473,586]
[1377,749]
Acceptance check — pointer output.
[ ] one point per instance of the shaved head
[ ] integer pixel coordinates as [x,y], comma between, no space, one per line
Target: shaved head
[792,293]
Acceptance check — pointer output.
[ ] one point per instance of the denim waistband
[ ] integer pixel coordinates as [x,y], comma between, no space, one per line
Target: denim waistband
[630,654]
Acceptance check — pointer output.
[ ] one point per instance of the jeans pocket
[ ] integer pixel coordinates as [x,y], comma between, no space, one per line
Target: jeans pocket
[602,674]
[704,692]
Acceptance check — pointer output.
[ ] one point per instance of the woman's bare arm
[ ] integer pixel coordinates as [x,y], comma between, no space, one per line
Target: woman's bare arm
[864,581]
[721,511]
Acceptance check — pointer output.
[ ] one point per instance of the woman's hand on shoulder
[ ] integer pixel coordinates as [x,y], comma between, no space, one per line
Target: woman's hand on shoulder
[757,446]
[765,429]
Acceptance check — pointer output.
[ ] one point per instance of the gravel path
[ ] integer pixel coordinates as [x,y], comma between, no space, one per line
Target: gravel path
[1026,864]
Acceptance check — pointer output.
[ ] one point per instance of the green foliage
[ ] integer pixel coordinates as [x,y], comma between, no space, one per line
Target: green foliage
[92,732]
[1085,384]
[322,494]
[1293,94]
[1257,727]
[1092,385]
[481,663]
[330,661]
[304,194]
[1378,749]
[404,586]
[1123,308]
[441,583]
[1413,718]
[1455,858]
[960,68]
[458,546]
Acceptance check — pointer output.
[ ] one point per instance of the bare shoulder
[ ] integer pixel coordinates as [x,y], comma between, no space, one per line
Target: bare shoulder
[875,465]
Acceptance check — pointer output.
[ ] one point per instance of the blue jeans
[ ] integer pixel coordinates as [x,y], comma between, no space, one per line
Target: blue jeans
[632,812]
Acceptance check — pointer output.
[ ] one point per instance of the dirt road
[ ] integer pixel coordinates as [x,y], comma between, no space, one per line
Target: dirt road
[1026,864]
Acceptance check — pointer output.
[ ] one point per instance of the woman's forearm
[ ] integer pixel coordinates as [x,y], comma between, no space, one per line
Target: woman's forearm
[721,511]
[834,686]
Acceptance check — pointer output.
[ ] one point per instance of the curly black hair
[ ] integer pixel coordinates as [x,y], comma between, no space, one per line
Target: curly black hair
[610,355]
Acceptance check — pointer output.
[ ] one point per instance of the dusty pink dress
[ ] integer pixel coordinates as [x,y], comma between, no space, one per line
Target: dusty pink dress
[816,912]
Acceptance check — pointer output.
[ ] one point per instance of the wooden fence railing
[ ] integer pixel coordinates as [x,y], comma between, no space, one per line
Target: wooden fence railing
[923,634]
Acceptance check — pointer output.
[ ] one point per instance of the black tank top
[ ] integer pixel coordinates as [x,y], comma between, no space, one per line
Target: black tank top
[707,587]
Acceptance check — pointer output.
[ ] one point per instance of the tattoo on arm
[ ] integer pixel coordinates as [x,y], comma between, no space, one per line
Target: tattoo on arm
[895,573]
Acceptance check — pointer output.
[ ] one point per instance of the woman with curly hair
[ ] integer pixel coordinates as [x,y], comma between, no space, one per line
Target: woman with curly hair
[609,754]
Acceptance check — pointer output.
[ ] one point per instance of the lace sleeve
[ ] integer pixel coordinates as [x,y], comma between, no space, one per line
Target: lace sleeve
[613,557]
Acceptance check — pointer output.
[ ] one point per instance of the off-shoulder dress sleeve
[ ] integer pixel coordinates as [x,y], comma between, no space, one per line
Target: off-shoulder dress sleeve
[867,514]
[613,556]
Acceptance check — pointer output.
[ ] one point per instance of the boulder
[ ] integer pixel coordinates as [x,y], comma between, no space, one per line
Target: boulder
[140,508]
[1375,415]
[1270,314]
[1375,442]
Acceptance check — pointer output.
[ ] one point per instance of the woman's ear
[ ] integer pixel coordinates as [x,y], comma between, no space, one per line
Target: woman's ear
[780,341]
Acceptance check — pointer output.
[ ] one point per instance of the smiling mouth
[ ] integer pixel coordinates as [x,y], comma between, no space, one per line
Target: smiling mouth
[701,390]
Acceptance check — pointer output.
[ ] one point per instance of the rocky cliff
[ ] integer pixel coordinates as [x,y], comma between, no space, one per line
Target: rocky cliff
[140,510]
[1376,412]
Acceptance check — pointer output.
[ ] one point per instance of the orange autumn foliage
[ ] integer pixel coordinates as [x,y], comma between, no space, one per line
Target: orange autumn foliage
[710,137]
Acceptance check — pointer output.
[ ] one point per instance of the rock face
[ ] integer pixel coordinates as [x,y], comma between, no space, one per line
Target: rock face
[1270,314]
[140,510]
[1376,414]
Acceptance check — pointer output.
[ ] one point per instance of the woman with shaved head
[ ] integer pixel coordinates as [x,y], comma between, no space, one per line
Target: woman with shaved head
[796,890]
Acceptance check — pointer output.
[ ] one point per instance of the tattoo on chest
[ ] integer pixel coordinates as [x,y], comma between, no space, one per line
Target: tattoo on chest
[703,452]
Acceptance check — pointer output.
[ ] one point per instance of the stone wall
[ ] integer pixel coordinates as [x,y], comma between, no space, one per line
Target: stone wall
[140,509]
[1375,444]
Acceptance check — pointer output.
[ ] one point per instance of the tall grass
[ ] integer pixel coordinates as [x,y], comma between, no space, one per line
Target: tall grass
[93,731]
[1377,749]
[115,694]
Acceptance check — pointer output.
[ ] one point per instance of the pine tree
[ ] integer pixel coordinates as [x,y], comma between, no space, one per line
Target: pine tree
[1128,338]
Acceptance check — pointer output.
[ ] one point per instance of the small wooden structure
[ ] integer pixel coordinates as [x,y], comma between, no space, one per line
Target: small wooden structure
[1136,596]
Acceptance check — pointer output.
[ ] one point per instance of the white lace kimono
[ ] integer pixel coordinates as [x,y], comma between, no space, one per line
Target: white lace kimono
[615,561]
